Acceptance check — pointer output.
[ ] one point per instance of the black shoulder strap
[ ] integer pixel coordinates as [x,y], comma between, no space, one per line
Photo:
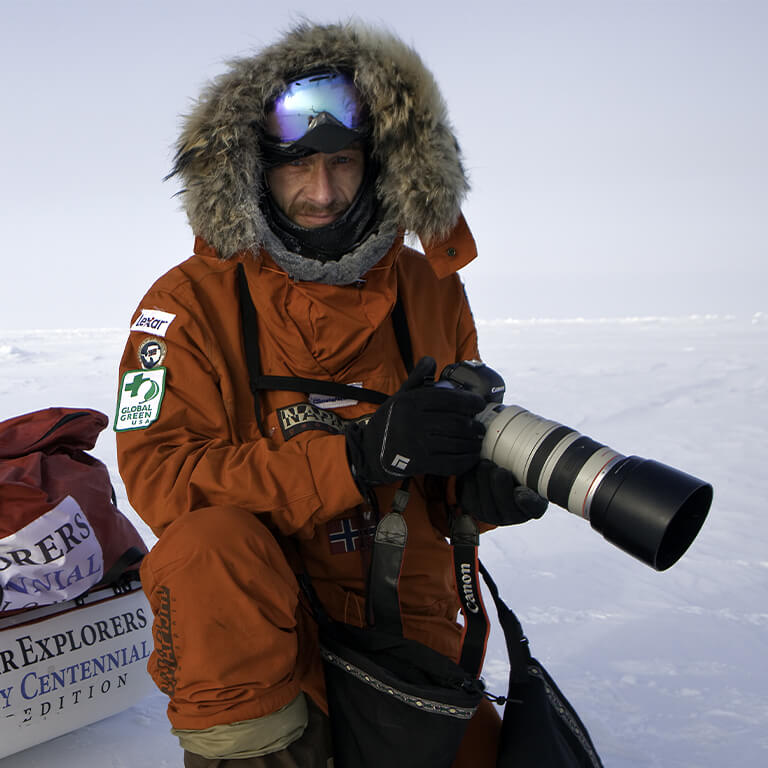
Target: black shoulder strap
[383,592]
[249,323]
[258,381]
[516,641]
[402,334]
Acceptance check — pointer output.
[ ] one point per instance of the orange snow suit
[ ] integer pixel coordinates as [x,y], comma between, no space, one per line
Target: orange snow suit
[232,640]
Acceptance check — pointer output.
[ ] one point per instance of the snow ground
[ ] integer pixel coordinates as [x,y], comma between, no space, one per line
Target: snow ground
[666,669]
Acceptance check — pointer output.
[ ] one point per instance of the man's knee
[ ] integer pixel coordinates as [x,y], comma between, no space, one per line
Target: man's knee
[296,736]
[221,589]
[212,528]
[203,538]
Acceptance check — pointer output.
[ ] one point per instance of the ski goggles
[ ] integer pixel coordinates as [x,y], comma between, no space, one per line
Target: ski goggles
[314,100]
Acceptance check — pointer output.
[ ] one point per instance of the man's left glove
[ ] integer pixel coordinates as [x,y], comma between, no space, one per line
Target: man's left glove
[492,495]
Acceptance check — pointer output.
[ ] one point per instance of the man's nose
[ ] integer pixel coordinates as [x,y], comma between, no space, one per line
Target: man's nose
[320,188]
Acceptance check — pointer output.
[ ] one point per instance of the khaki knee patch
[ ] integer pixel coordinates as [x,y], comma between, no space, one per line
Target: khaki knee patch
[248,738]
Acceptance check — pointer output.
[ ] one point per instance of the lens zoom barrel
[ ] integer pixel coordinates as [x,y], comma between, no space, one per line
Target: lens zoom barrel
[650,510]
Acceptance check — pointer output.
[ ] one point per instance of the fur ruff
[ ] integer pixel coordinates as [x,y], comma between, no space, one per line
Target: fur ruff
[422,182]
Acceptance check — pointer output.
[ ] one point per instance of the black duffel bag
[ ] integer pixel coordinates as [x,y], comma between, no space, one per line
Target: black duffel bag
[393,701]
[540,728]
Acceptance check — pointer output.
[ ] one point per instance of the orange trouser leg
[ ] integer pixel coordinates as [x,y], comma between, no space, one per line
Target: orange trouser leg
[481,741]
[224,600]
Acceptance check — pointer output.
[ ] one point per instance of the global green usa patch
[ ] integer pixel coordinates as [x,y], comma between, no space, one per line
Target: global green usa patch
[141,395]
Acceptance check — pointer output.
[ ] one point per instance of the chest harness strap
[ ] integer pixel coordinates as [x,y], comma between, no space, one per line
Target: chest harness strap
[259,381]
[383,603]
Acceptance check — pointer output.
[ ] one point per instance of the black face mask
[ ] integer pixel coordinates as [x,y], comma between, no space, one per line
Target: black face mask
[334,240]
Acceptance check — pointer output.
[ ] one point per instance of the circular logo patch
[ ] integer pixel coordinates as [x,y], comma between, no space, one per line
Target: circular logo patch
[152,353]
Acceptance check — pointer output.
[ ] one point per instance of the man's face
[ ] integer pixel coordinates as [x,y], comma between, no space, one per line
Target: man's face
[314,191]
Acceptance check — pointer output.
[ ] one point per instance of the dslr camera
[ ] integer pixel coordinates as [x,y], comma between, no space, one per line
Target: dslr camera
[648,509]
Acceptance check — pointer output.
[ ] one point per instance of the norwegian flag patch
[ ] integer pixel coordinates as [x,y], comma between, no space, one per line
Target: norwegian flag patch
[347,535]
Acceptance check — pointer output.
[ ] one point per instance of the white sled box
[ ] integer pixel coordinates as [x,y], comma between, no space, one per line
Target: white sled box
[69,665]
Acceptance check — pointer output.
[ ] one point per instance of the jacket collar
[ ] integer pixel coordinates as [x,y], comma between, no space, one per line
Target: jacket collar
[445,256]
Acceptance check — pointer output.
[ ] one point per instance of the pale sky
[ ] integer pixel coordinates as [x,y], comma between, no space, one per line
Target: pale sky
[616,148]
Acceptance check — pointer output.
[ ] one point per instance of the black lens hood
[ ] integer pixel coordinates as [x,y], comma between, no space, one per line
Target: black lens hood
[650,510]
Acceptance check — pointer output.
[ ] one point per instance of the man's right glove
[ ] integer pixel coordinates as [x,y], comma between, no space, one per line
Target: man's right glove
[491,494]
[420,430]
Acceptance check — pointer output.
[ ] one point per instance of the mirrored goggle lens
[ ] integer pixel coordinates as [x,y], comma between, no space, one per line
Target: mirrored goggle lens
[305,99]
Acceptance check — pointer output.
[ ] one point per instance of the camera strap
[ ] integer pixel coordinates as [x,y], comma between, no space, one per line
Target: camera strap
[465,539]
[383,593]
[383,600]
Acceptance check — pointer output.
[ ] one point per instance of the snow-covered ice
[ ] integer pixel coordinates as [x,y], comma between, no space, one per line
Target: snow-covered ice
[666,669]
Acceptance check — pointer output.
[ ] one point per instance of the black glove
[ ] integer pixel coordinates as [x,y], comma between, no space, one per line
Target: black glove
[491,494]
[421,430]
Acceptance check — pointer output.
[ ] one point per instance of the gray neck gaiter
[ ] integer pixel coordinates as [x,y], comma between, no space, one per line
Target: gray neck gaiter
[348,269]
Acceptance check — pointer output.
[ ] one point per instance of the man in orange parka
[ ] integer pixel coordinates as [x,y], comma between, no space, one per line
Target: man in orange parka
[303,167]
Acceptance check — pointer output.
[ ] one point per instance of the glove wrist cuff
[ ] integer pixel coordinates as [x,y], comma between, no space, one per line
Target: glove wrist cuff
[356,461]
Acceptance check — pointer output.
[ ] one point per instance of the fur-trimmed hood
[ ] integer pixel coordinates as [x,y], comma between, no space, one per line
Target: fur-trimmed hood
[422,181]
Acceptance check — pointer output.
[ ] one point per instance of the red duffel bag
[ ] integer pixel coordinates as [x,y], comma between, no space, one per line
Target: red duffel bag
[61,532]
